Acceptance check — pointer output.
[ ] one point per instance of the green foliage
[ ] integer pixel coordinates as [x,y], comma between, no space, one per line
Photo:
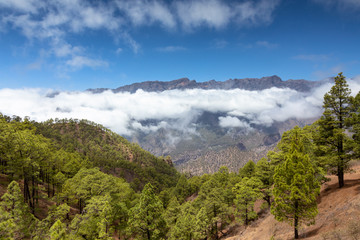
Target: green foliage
[202,223]
[184,227]
[182,189]
[88,183]
[333,143]
[146,219]
[97,146]
[58,231]
[307,138]
[57,157]
[56,213]
[172,212]
[247,192]
[95,221]
[248,170]
[16,221]
[354,123]
[295,186]
[284,146]
[264,173]
[213,197]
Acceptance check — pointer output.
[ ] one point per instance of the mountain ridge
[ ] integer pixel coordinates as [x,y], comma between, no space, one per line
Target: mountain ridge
[244,83]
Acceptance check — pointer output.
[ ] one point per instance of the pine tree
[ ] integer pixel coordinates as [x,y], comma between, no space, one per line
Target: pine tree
[182,189]
[212,197]
[264,174]
[185,225]
[58,231]
[172,212]
[56,213]
[247,170]
[332,138]
[354,123]
[295,187]
[95,221]
[201,224]
[16,221]
[146,218]
[247,192]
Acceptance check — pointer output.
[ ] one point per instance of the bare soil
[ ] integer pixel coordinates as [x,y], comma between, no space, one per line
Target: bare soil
[338,218]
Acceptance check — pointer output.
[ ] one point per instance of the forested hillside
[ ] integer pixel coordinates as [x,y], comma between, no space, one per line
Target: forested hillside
[109,151]
[71,179]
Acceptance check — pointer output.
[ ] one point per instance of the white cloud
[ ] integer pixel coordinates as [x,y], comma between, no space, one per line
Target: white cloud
[175,109]
[259,44]
[171,49]
[342,5]
[42,20]
[20,5]
[230,122]
[78,62]
[266,44]
[218,14]
[144,12]
[150,128]
[135,46]
[325,73]
[63,49]
[252,13]
[37,65]
[219,43]
[118,51]
[211,13]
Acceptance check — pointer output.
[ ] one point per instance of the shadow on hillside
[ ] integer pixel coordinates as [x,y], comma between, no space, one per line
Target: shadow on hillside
[330,189]
[310,233]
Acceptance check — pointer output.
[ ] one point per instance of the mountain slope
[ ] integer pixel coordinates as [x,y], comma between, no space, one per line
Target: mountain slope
[338,218]
[109,151]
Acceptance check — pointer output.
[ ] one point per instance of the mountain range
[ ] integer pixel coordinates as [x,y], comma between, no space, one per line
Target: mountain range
[244,83]
[211,146]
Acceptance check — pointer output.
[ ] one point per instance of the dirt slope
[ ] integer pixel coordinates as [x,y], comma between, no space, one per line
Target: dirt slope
[338,218]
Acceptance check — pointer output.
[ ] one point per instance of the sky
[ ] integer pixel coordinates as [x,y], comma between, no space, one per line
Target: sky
[73,45]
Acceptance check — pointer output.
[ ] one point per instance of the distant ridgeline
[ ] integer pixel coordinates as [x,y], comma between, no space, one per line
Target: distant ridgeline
[245,83]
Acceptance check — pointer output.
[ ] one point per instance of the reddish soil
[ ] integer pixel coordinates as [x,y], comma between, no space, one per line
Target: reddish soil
[338,218]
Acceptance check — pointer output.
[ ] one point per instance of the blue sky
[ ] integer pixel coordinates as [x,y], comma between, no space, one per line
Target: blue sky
[78,44]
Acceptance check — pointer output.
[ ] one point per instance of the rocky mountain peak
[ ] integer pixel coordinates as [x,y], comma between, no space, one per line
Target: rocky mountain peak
[252,84]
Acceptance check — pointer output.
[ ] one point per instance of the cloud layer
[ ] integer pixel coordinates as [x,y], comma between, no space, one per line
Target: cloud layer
[175,109]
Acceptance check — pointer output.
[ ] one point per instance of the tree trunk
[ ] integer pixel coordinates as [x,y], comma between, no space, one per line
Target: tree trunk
[216,229]
[296,220]
[48,184]
[340,172]
[80,205]
[268,200]
[246,217]
[33,194]
[148,234]
[341,177]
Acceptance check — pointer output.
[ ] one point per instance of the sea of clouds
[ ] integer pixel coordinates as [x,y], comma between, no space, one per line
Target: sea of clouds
[174,109]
